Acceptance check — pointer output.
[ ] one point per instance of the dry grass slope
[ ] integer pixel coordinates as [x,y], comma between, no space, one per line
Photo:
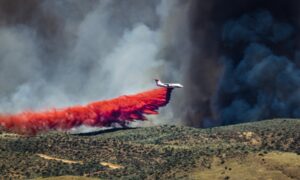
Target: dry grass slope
[266,149]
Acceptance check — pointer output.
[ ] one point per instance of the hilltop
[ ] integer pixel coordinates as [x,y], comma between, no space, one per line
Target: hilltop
[263,149]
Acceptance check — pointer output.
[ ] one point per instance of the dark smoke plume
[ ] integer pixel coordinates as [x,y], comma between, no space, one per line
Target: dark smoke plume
[264,82]
[244,63]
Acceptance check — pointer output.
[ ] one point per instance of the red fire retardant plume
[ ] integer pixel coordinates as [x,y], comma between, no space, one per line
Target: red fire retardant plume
[97,114]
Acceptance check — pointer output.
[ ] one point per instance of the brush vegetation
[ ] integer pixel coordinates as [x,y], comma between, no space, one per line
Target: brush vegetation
[256,150]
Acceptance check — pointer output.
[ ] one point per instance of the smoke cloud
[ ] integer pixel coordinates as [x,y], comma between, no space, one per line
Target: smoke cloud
[264,82]
[238,60]
[93,51]
[252,48]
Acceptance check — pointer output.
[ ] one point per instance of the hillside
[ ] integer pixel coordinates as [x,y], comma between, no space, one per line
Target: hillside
[265,149]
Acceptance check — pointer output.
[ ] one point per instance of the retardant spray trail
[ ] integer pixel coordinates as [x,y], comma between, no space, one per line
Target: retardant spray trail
[97,114]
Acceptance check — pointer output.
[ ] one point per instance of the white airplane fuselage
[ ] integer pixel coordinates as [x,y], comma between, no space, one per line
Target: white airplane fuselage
[168,85]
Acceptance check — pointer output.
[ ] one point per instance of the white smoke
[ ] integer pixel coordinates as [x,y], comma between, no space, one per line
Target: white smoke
[112,48]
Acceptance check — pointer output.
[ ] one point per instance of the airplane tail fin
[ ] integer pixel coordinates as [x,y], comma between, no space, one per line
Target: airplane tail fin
[157,82]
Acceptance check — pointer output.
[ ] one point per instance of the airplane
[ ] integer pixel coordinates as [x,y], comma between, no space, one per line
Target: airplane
[168,85]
